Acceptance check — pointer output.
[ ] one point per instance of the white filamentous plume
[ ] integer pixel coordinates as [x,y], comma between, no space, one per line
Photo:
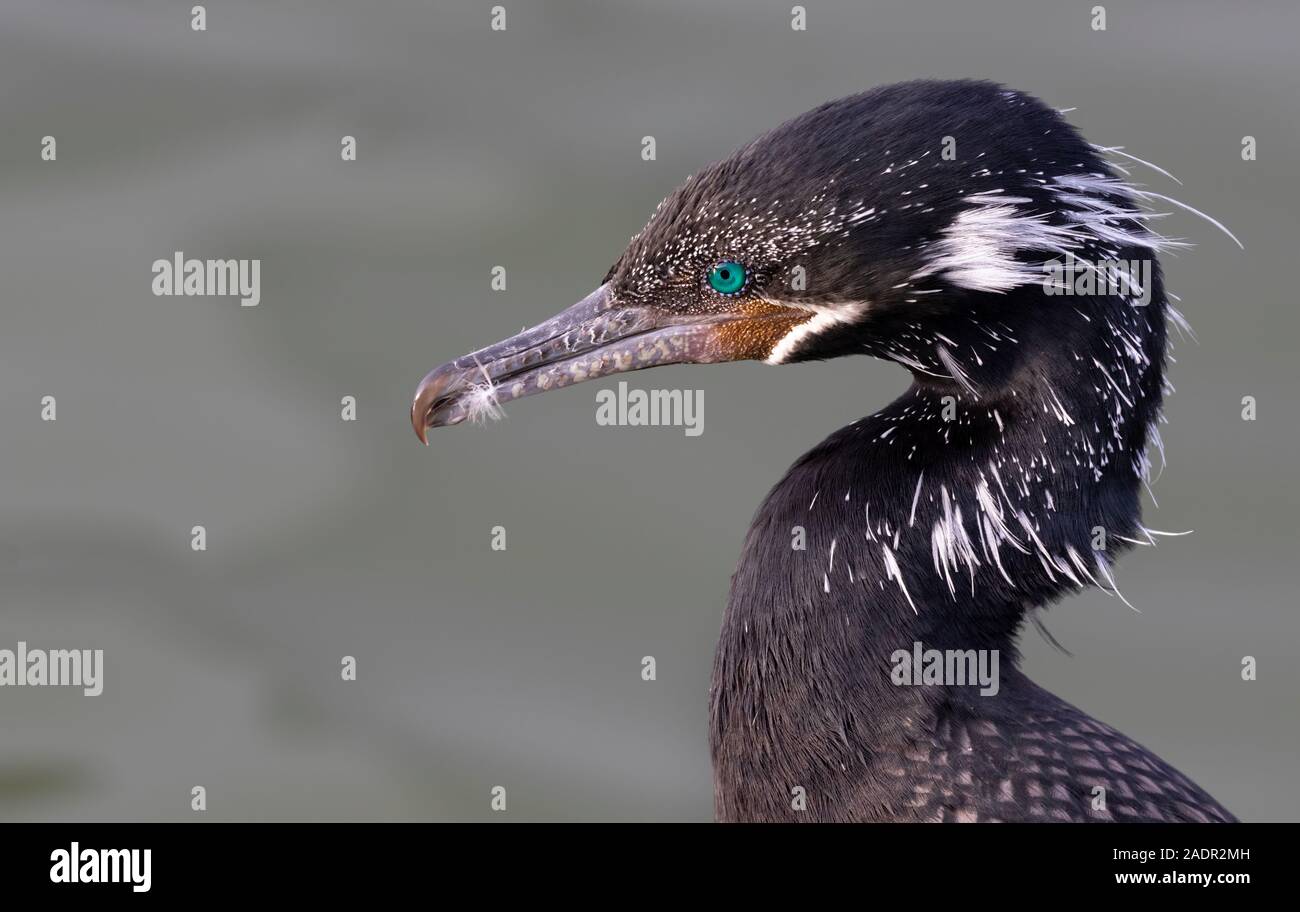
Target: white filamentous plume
[979,249]
[893,572]
[1119,150]
[481,402]
[955,369]
[991,245]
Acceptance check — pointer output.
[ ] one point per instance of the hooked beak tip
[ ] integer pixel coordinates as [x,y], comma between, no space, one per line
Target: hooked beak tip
[418,422]
[432,393]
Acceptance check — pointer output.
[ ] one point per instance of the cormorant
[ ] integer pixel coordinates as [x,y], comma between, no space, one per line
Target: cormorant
[925,223]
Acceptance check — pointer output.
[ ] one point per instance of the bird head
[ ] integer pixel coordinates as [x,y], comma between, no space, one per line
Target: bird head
[886,223]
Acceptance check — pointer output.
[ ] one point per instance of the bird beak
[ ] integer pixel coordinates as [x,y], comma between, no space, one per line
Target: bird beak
[596,337]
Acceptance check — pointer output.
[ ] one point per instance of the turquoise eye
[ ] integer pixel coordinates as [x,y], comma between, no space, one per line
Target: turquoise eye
[727,278]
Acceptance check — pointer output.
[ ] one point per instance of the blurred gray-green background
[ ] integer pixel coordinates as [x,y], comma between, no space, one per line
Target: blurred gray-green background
[522,148]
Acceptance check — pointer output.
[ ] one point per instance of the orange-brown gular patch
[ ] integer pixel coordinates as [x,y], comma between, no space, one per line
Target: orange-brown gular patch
[759,326]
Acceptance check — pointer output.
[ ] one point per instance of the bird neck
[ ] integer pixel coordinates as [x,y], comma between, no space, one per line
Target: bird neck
[938,521]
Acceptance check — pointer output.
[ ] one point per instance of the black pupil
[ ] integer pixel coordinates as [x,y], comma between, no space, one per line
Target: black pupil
[726,274]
